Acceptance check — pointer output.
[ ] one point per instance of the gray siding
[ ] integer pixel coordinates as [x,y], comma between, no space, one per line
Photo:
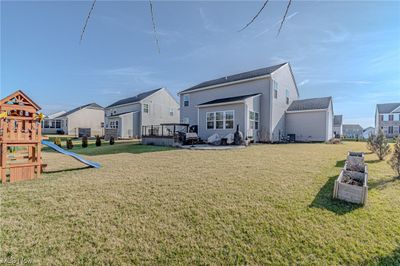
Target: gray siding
[249,87]
[279,106]
[239,119]
[308,126]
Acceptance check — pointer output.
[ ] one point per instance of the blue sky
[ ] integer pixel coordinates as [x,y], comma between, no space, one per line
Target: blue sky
[348,50]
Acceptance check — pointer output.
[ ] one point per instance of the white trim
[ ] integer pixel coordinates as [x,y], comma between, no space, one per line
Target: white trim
[225,84]
[223,120]
[219,104]
[305,111]
[397,109]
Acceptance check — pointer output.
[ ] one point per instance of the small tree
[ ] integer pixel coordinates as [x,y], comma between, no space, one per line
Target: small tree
[57,141]
[395,159]
[370,143]
[381,146]
[98,141]
[70,145]
[84,142]
[112,141]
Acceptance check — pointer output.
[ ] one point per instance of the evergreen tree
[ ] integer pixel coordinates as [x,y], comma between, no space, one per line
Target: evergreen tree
[381,146]
[395,159]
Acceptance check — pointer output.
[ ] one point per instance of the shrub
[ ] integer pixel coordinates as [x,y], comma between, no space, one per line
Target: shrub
[84,142]
[381,145]
[370,143]
[98,141]
[112,141]
[395,159]
[70,145]
[334,141]
[57,141]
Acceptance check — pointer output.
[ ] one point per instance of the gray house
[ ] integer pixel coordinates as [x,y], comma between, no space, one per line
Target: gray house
[353,131]
[84,120]
[387,119]
[125,118]
[337,126]
[256,101]
[310,119]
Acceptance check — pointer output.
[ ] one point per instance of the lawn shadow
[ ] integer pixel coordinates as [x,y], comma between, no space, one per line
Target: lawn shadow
[373,161]
[392,259]
[382,183]
[66,170]
[340,163]
[324,200]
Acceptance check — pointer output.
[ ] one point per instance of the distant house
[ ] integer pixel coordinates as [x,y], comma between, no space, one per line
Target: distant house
[125,118]
[338,126]
[84,120]
[387,119]
[255,101]
[310,119]
[367,132]
[352,131]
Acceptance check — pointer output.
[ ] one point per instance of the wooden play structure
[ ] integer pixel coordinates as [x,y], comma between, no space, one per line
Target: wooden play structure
[20,138]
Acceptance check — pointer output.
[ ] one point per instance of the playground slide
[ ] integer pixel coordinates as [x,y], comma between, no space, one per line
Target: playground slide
[72,154]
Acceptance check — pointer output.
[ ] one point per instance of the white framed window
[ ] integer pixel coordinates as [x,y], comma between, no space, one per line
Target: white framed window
[220,120]
[287,96]
[185,100]
[385,117]
[146,108]
[276,88]
[58,123]
[254,119]
[391,117]
[171,111]
[390,130]
[114,124]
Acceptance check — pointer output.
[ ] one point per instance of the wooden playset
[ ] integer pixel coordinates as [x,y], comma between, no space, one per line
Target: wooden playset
[20,138]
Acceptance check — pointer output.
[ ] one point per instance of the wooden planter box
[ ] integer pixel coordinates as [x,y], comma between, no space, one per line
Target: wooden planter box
[352,193]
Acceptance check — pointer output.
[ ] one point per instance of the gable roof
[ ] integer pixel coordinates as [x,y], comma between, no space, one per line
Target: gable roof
[54,115]
[337,119]
[352,127]
[310,104]
[20,95]
[90,105]
[236,77]
[134,99]
[387,107]
[229,99]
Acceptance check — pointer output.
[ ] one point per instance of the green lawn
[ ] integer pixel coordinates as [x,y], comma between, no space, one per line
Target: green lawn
[267,204]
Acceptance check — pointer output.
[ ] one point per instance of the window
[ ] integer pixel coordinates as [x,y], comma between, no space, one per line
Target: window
[220,120]
[287,96]
[58,123]
[210,120]
[113,124]
[229,119]
[390,117]
[146,108]
[102,124]
[391,130]
[171,111]
[254,118]
[276,88]
[185,100]
[385,117]
[46,124]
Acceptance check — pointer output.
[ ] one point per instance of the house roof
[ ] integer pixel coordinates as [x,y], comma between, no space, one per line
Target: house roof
[54,115]
[229,99]
[236,77]
[337,119]
[368,128]
[310,104]
[352,127]
[90,105]
[387,107]
[135,99]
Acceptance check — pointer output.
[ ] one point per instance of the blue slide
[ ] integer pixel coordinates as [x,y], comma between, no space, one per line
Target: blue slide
[72,154]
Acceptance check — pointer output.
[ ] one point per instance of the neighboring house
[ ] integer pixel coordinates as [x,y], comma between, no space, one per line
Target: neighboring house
[310,119]
[255,101]
[337,126]
[125,118]
[84,120]
[352,131]
[387,119]
[368,132]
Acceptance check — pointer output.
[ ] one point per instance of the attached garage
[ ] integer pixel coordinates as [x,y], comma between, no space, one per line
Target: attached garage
[310,120]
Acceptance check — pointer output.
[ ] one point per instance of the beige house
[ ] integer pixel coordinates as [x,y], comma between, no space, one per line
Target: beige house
[257,102]
[86,120]
[387,119]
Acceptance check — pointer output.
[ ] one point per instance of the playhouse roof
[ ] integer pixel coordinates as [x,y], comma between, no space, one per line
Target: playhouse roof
[20,97]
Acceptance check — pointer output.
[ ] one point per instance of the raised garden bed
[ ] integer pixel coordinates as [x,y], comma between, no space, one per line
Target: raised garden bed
[352,183]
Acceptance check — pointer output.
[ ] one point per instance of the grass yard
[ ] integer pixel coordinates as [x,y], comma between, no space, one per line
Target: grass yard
[267,204]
